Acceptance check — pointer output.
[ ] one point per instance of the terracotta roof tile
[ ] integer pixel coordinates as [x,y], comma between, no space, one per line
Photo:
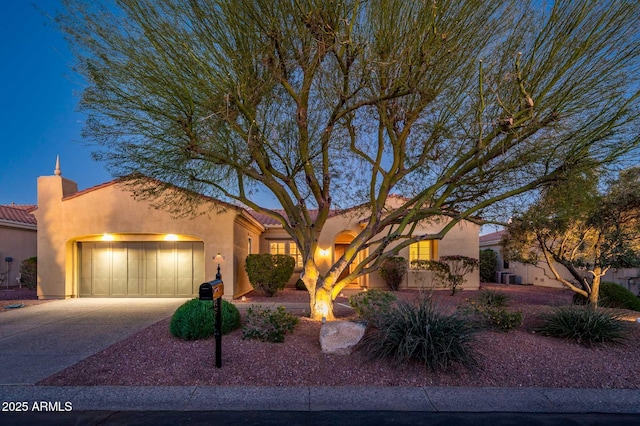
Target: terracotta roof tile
[494,236]
[18,213]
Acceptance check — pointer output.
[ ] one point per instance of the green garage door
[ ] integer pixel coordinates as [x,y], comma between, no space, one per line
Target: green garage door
[140,269]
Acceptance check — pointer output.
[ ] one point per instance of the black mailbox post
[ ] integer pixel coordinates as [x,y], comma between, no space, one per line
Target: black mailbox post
[213,291]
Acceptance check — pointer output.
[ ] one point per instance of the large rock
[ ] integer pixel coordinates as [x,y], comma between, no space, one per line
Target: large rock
[340,337]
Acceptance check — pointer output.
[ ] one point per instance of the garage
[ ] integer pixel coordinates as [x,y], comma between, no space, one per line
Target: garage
[140,269]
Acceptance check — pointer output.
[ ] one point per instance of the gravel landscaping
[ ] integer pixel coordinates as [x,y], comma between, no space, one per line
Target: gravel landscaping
[517,358]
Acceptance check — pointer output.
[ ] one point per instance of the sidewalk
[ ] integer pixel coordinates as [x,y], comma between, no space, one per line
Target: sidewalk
[242,398]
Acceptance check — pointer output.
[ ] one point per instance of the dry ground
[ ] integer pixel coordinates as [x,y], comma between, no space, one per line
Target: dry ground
[517,358]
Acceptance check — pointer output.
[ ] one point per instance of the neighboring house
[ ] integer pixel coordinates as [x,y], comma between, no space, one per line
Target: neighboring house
[102,242]
[510,272]
[18,241]
[541,275]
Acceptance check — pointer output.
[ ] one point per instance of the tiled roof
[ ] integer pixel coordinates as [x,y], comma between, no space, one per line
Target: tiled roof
[18,214]
[268,221]
[494,236]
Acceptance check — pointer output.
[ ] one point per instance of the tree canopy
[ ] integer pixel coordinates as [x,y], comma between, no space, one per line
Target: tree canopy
[584,229]
[458,105]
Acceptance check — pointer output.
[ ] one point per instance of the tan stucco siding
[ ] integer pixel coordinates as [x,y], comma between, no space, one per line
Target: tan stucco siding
[112,210]
[19,244]
[462,240]
[244,231]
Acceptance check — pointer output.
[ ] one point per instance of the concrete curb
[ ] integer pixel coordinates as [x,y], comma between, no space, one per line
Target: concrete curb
[310,398]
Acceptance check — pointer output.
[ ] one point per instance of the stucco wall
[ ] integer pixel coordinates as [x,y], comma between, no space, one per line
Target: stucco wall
[19,244]
[462,239]
[86,216]
[527,274]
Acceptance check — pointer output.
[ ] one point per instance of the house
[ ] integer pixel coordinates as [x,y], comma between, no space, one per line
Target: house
[103,242]
[18,241]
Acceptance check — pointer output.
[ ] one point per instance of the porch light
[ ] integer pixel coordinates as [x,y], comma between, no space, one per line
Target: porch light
[219,259]
[171,237]
[107,237]
[325,252]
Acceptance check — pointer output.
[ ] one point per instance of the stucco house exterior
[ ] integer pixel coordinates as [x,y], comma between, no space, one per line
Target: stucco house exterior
[18,241]
[103,242]
[510,272]
[541,275]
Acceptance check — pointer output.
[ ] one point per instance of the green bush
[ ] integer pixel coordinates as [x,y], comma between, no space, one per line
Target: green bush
[615,296]
[392,271]
[196,320]
[488,264]
[268,325]
[584,325]
[269,273]
[489,310]
[29,273]
[418,331]
[369,305]
[500,318]
[612,295]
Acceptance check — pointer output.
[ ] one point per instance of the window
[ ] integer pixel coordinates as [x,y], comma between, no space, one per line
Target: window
[293,251]
[422,250]
[277,248]
[286,247]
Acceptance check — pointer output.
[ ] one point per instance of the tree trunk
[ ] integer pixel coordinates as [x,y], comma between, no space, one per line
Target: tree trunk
[595,288]
[321,305]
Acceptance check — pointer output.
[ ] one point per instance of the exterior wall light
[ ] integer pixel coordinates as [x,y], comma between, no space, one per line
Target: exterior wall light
[324,252]
[171,237]
[107,237]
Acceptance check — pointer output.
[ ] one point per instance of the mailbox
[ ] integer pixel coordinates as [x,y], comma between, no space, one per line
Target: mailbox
[206,291]
[214,293]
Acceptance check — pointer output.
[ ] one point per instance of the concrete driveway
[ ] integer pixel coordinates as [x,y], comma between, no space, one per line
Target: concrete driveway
[40,340]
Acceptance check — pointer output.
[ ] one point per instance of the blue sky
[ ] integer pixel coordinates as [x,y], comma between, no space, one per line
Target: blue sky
[38,95]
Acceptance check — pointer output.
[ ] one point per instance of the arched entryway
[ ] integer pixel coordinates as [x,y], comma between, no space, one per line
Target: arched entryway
[341,243]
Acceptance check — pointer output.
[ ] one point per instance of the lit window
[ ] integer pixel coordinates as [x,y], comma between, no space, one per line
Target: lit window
[277,248]
[422,250]
[293,251]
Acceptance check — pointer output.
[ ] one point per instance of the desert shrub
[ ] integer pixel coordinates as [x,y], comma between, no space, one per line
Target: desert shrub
[493,298]
[29,273]
[300,285]
[583,325]
[269,273]
[268,325]
[195,319]
[418,331]
[500,318]
[369,305]
[612,295]
[449,271]
[489,310]
[488,264]
[392,271]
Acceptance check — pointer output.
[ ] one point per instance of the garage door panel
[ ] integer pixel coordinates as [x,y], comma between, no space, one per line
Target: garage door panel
[184,268]
[132,269]
[101,271]
[119,269]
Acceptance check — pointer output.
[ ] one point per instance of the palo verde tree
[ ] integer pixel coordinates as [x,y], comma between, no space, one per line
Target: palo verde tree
[458,105]
[586,231]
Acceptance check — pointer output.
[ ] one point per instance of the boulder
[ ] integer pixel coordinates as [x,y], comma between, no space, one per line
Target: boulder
[340,337]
